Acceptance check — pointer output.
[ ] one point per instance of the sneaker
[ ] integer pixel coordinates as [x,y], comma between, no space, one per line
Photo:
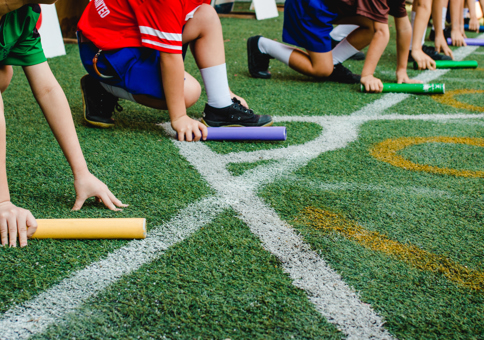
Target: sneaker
[432,53]
[258,61]
[99,104]
[233,115]
[342,75]
[357,56]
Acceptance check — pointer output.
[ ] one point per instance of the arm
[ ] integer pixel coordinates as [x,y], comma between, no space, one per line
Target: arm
[13,220]
[404,35]
[456,9]
[55,107]
[440,41]
[473,22]
[172,76]
[377,46]
[422,14]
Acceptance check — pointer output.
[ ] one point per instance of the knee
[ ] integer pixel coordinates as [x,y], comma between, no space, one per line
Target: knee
[322,71]
[193,90]
[207,14]
[6,74]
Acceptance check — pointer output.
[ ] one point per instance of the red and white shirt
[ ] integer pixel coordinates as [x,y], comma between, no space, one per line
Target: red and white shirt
[156,24]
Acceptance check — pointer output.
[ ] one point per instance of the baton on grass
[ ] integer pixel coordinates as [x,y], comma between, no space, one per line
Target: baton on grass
[269,133]
[451,64]
[91,228]
[481,28]
[470,41]
[412,88]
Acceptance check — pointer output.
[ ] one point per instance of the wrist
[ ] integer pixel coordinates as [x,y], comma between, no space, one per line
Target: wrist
[80,172]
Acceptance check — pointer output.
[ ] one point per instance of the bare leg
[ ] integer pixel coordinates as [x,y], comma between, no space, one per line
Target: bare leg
[6,73]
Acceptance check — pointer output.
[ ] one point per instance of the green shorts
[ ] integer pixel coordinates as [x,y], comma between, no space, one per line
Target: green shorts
[19,39]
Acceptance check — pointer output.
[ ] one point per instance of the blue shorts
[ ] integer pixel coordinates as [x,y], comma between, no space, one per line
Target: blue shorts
[307,24]
[134,69]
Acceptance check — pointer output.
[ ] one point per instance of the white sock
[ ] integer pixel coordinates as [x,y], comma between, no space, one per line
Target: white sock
[118,92]
[444,16]
[216,86]
[343,51]
[342,31]
[275,49]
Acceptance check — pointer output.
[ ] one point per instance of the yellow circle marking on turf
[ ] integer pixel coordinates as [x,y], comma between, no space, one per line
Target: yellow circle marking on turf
[387,151]
[448,99]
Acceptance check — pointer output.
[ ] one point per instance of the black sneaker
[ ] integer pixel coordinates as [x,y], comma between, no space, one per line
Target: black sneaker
[233,115]
[357,56]
[342,75]
[99,104]
[258,61]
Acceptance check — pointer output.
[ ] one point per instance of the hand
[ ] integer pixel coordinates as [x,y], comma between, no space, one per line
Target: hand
[442,46]
[242,100]
[372,84]
[16,221]
[423,60]
[189,129]
[88,186]
[457,37]
[474,25]
[402,77]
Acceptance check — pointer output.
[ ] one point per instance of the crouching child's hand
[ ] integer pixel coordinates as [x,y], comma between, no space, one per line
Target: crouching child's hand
[402,78]
[89,186]
[189,129]
[15,221]
[372,84]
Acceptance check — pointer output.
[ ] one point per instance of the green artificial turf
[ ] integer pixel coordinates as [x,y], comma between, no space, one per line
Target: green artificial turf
[220,283]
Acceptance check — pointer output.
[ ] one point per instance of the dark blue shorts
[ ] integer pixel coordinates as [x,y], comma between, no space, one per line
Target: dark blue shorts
[135,69]
[307,24]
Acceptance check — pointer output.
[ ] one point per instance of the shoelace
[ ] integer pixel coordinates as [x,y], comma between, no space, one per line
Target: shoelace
[238,105]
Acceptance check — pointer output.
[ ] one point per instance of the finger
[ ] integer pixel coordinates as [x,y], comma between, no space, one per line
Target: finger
[197,134]
[78,204]
[116,201]
[12,231]
[4,231]
[107,202]
[189,136]
[204,130]
[432,64]
[22,230]
[181,136]
[31,225]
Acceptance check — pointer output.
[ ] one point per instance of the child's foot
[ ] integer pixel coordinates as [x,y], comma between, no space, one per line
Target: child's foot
[258,61]
[99,104]
[342,75]
[233,115]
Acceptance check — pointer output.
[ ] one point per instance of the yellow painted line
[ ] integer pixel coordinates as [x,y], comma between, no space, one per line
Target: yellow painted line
[387,151]
[418,258]
[449,99]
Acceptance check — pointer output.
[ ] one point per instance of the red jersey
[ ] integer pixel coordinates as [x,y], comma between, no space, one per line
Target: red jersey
[156,24]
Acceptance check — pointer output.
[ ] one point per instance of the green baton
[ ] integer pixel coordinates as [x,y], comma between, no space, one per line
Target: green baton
[451,64]
[412,88]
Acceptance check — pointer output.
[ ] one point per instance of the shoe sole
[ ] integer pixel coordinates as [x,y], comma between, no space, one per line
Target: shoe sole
[249,53]
[234,125]
[91,122]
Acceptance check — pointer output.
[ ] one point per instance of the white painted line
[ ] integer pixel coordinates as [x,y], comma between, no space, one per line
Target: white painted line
[53,304]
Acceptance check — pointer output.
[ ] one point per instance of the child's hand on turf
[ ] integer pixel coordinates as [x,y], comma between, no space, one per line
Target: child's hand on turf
[89,186]
[474,25]
[423,61]
[16,221]
[189,129]
[442,46]
[372,84]
[402,77]
[242,100]
[457,37]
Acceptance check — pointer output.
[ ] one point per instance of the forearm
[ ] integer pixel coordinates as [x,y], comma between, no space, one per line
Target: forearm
[404,35]
[471,4]
[4,193]
[437,8]
[422,9]
[375,51]
[172,75]
[456,9]
[55,107]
